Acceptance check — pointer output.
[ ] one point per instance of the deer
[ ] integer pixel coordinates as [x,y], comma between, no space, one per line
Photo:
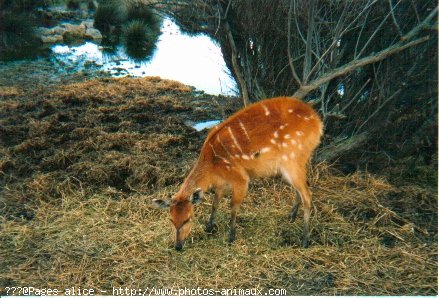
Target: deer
[273,136]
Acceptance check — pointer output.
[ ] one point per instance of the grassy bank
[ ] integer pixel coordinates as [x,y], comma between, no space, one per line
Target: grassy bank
[80,163]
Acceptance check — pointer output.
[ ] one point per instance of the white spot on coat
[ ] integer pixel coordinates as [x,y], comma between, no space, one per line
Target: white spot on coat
[246,157]
[267,111]
[273,141]
[244,130]
[234,139]
[287,136]
[285,157]
[265,149]
[285,145]
[290,110]
[299,133]
[293,142]
[292,155]
[276,134]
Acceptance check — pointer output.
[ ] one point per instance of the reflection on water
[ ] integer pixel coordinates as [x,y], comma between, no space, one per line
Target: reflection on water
[192,60]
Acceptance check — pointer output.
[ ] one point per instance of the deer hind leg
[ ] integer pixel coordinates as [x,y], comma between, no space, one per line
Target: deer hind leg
[295,207]
[239,190]
[211,227]
[296,176]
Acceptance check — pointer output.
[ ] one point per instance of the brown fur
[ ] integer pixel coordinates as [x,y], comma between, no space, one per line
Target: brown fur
[268,137]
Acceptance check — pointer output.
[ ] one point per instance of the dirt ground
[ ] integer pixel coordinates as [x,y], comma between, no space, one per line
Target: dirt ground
[81,162]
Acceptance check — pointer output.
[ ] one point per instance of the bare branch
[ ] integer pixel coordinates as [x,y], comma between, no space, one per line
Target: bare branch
[290,58]
[397,47]
[376,31]
[395,22]
[305,89]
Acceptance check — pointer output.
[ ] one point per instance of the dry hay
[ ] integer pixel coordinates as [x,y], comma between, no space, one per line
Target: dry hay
[79,166]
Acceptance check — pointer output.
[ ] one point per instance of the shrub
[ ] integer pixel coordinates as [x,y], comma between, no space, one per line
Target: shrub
[16,30]
[141,11]
[109,15]
[73,4]
[135,33]
[22,5]
[91,5]
[139,39]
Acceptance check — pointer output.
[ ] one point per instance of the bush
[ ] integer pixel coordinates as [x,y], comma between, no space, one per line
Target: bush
[91,5]
[139,39]
[22,5]
[16,30]
[140,11]
[110,16]
[73,4]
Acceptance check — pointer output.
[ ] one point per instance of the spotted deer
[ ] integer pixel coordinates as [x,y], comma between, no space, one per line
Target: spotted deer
[272,136]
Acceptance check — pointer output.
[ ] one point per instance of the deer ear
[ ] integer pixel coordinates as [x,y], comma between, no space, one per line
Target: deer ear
[197,196]
[160,204]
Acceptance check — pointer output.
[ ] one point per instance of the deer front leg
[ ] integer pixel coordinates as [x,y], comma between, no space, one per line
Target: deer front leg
[238,193]
[211,227]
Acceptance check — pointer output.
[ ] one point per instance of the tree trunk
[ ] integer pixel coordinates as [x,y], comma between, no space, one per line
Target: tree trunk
[235,65]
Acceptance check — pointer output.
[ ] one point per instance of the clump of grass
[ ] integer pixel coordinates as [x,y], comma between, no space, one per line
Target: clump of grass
[23,5]
[141,11]
[132,22]
[74,4]
[16,31]
[139,39]
[91,5]
[135,33]
[110,15]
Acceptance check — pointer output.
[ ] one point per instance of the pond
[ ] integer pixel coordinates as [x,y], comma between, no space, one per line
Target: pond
[192,60]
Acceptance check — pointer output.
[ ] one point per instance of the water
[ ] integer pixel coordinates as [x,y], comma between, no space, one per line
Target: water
[192,60]
[205,124]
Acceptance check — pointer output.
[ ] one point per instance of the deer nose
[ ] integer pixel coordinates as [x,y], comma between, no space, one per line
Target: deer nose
[179,245]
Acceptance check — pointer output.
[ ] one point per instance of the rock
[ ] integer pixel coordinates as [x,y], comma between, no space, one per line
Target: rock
[60,30]
[43,31]
[70,33]
[88,23]
[73,33]
[93,34]
[51,38]
[77,30]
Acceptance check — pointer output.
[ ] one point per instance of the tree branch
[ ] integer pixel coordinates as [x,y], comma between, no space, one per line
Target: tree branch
[397,47]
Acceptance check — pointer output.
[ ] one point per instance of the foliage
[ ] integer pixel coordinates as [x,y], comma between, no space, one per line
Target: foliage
[132,22]
[22,5]
[16,31]
[139,39]
[110,16]
[91,5]
[74,4]
[141,11]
